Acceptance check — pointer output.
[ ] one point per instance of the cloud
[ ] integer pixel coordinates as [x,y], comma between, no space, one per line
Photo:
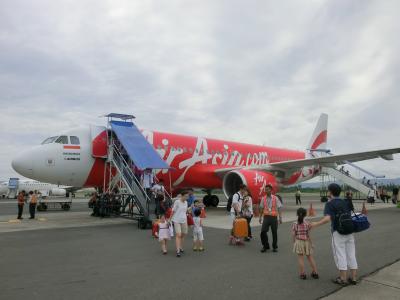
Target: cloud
[258,72]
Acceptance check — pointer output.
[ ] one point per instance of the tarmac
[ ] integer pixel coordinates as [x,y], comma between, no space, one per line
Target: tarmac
[64,255]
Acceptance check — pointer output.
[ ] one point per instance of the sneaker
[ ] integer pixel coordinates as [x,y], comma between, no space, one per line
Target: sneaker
[164,252]
[181,251]
[314,275]
[263,250]
[201,249]
[303,276]
[178,254]
[275,250]
[195,249]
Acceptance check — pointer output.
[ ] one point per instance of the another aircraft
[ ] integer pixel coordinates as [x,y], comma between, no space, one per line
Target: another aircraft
[45,189]
[78,158]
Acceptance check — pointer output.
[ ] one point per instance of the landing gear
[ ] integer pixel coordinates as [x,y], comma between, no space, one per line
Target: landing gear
[210,200]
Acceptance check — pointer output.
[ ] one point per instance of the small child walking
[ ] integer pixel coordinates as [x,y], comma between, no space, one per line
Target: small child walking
[198,237]
[164,233]
[302,244]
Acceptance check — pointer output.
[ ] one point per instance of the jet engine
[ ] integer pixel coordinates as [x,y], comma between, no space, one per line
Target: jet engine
[254,180]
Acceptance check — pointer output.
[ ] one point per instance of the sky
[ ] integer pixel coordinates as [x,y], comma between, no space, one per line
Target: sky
[252,71]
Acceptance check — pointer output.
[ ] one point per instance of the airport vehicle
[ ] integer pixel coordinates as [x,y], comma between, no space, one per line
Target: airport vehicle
[81,156]
[51,195]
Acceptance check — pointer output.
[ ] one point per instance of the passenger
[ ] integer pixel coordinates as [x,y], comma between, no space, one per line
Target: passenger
[302,244]
[343,245]
[191,198]
[236,212]
[298,196]
[198,237]
[21,202]
[179,211]
[147,181]
[159,196]
[32,203]
[349,200]
[247,212]
[163,233]
[92,203]
[270,210]
[395,195]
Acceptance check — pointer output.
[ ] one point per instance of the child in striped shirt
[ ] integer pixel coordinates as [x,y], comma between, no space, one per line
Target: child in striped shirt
[302,244]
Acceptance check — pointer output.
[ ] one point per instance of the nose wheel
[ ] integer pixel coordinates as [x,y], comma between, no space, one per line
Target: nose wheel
[210,200]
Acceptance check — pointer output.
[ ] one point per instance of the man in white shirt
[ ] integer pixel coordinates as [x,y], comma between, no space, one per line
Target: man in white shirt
[236,209]
[147,181]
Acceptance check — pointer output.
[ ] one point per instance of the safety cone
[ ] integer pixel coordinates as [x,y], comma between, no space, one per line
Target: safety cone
[364,209]
[311,211]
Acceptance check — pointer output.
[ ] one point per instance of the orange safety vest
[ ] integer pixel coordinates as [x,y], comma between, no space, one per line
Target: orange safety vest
[274,211]
[34,199]
[21,199]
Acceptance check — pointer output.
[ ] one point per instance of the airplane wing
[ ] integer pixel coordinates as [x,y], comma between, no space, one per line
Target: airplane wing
[340,159]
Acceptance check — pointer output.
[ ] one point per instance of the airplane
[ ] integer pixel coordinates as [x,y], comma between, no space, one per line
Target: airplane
[45,189]
[78,158]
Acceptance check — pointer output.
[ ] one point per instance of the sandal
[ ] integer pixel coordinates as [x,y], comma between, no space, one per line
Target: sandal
[339,281]
[352,281]
[303,276]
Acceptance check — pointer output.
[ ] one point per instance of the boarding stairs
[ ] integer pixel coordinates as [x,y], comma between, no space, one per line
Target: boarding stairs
[137,196]
[13,185]
[346,178]
[129,149]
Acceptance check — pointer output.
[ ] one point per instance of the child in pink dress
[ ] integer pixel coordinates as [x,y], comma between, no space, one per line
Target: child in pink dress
[164,233]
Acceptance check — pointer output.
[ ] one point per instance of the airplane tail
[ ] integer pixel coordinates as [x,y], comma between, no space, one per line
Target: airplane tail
[319,137]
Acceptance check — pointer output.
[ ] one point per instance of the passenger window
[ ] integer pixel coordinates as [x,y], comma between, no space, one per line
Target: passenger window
[62,139]
[49,140]
[74,140]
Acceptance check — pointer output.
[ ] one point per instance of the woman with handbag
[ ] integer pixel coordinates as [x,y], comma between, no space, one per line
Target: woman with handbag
[179,218]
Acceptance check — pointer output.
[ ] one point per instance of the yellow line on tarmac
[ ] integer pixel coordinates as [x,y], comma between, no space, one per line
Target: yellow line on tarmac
[14,221]
[42,219]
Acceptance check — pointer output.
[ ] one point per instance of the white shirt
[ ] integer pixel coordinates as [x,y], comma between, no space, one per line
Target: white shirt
[237,198]
[147,178]
[179,210]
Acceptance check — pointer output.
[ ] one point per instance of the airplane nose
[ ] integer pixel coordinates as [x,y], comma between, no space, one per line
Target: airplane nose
[23,164]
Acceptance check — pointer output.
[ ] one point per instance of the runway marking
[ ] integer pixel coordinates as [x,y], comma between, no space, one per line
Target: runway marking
[14,221]
[42,219]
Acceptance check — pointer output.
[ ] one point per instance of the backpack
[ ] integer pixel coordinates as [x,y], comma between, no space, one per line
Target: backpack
[344,221]
[229,204]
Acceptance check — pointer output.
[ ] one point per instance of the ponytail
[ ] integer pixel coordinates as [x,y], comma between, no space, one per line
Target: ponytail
[301,214]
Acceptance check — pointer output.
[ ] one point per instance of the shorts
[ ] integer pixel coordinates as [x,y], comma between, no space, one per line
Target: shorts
[180,228]
[198,235]
[344,251]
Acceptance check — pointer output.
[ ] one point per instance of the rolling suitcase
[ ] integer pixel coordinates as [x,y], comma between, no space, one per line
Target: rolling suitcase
[240,228]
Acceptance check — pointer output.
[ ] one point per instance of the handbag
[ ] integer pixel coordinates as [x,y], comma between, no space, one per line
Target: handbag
[360,222]
[189,220]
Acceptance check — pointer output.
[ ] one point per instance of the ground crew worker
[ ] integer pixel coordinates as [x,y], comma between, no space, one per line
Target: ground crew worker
[270,209]
[298,197]
[21,202]
[32,203]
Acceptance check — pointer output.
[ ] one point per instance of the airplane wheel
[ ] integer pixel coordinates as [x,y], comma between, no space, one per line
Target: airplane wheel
[207,200]
[65,206]
[214,200]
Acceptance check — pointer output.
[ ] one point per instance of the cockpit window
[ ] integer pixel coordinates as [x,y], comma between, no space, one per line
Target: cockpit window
[49,140]
[62,139]
[74,140]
